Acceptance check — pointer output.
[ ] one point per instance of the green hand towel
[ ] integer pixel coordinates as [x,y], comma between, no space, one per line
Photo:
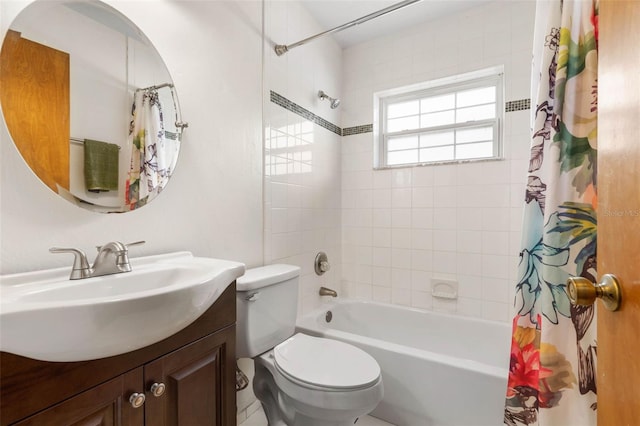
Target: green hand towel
[100,166]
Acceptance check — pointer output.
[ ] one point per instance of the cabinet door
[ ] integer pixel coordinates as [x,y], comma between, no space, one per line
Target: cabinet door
[104,405]
[196,379]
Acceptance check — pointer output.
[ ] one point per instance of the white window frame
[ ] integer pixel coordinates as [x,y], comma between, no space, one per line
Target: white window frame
[475,79]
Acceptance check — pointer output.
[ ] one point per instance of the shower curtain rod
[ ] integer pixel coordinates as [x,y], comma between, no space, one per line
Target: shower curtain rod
[179,124]
[159,86]
[281,49]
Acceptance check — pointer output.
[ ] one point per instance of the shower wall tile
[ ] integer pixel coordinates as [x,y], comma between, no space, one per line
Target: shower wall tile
[469,308]
[303,159]
[401,296]
[401,238]
[470,286]
[421,261]
[454,221]
[422,218]
[381,294]
[382,218]
[400,218]
[382,179]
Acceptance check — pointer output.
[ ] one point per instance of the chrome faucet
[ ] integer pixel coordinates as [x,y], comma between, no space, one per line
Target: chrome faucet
[327,292]
[104,264]
[112,258]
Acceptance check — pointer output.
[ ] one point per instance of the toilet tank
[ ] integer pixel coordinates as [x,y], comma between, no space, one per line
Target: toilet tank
[267,306]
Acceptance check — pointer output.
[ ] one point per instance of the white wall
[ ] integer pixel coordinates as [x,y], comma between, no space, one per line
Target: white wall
[406,226]
[213,203]
[302,183]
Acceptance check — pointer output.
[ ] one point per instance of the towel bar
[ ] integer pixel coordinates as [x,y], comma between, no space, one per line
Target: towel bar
[79,141]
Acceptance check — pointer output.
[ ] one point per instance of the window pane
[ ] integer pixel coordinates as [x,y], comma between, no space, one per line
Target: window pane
[456,118]
[474,150]
[482,112]
[403,109]
[436,139]
[400,124]
[280,142]
[437,119]
[475,134]
[402,157]
[405,142]
[442,153]
[438,103]
[483,95]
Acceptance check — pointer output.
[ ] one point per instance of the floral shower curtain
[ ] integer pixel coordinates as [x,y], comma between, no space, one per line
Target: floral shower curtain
[553,349]
[153,158]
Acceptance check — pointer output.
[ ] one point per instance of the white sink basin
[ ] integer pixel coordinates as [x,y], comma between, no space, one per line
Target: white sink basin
[46,316]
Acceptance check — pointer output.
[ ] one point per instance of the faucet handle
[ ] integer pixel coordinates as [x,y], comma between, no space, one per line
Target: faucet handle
[123,258]
[126,246]
[80,268]
[135,243]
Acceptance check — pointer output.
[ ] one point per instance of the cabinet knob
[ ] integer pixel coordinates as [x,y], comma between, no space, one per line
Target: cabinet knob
[136,400]
[157,389]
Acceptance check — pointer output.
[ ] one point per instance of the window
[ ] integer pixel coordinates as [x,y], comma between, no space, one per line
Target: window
[452,119]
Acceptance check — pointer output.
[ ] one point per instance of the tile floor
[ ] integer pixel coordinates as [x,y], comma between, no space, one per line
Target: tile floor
[258,419]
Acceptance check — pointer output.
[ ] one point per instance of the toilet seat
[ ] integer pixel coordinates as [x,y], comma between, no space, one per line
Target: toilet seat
[327,364]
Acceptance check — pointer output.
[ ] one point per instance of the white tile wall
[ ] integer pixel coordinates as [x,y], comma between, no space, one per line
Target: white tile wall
[457,221]
[302,179]
[302,183]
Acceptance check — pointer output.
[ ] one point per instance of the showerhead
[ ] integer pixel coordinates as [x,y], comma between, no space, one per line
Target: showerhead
[334,102]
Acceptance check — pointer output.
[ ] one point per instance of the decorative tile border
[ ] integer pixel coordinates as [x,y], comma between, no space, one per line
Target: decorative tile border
[510,106]
[356,130]
[519,105]
[304,113]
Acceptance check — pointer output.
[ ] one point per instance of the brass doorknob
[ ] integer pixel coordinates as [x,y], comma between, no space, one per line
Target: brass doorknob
[584,292]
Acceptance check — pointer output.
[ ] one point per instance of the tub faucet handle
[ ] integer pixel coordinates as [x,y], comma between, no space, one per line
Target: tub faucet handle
[321,264]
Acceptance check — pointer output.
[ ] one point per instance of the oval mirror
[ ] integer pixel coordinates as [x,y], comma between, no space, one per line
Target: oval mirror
[89,104]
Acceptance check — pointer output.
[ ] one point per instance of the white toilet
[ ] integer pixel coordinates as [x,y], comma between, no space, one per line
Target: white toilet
[300,380]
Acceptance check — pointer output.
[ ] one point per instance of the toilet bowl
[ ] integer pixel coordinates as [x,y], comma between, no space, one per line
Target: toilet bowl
[300,380]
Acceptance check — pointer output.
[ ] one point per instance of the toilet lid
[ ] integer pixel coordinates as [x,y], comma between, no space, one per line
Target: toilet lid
[325,362]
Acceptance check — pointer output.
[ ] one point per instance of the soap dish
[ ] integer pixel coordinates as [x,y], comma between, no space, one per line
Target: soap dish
[444,289]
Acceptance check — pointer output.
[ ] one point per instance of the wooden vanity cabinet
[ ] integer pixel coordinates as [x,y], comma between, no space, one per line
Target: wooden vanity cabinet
[103,405]
[194,392]
[196,367]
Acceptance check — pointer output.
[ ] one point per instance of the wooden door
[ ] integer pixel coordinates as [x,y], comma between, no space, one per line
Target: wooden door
[34,91]
[619,210]
[104,405]
[197,380]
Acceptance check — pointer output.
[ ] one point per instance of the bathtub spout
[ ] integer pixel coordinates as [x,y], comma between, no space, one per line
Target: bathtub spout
[327,292]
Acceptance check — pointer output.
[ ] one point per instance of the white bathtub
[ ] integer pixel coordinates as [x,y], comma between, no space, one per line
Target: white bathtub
[437,369]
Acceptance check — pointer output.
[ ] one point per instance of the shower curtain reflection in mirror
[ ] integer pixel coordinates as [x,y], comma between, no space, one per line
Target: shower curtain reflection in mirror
[154,149]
